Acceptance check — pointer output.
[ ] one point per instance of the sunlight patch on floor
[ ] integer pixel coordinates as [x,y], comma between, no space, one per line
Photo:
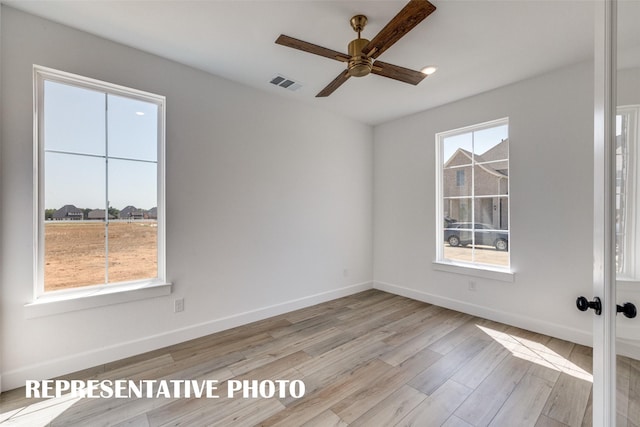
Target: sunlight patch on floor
[538,353]
[40,413]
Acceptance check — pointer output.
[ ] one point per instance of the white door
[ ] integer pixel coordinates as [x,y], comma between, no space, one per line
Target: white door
[616,351]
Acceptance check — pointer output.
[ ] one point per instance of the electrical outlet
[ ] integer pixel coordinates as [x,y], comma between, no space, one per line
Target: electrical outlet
[472,285]
[178,305]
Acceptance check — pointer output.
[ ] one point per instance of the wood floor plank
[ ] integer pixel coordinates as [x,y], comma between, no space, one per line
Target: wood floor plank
[480,366]
[278,369]
[438,407]
[568,400]
[316,403]
[211,411]
[138,421]
[441,371]
[544,421]
[368,359]
[415,324]
[371,299]
[454,421]
[436,330]
[288,344]
[326,419]
[357,404]
[234,337]
[252,415]
[323,373]
[330,343]
[320,322]
[393,408]
[362,345]
[381,307]
[470,328]
[524,405]
[115,410]
[228,345]
[332,307]
[557,356]
[633,393]
[487,399]
[383,318]
[587,419]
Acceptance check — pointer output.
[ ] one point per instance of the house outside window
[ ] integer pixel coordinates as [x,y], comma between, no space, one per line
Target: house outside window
[473,195]
[99,183]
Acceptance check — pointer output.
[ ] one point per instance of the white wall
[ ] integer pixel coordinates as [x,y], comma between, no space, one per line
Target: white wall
[551,189]
[268,201]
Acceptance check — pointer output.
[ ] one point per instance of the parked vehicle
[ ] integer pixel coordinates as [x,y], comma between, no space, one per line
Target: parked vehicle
[459,234]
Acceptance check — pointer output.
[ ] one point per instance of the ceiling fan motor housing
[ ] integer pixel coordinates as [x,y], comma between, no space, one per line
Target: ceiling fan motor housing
[359,65]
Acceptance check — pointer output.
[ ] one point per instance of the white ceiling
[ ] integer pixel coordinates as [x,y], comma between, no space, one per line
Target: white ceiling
[478,45]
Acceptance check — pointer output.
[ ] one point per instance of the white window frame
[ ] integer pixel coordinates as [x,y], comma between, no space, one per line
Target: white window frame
[630,268]
[100,294]
[455,266]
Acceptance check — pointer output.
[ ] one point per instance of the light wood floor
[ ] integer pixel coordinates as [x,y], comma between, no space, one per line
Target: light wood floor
[370,359]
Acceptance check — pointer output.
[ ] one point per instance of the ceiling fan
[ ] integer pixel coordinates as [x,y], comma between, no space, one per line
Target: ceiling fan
[363,54]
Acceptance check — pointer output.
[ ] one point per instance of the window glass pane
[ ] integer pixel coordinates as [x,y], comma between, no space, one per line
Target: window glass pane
[74,119]
[475,202]
[133,234]
[490,182]
[74,246]
[133,128]
[457,182]
[457,229]
[457,178]
[457,210]
[457,150]
[486,143]
[621,193]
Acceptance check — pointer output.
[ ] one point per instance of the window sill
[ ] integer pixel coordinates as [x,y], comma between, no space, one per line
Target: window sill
[485,272]
[83,299]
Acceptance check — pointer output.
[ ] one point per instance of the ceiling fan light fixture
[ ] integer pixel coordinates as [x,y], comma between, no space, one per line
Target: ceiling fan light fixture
[428,70]
[359,65]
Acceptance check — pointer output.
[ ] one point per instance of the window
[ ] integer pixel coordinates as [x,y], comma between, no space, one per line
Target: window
[99,183]
[627,179]
[473,195]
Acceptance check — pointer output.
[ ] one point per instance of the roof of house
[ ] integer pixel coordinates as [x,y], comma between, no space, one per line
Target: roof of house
[130,211]
[67,210]
[98,214]
[497,154]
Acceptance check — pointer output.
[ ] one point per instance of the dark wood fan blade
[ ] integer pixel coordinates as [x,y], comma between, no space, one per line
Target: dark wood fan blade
[411,15]
[397,73]
[311,48]
[335,84]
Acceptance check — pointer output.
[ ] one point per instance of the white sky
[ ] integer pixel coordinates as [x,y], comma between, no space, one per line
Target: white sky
[482,141]
[75,122]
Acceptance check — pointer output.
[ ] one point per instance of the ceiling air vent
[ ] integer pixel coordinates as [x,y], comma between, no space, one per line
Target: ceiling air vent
[287,83]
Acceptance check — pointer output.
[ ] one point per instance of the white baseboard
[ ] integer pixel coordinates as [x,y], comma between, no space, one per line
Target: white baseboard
[68,364]
[623,347]
[524,322]
[61,366]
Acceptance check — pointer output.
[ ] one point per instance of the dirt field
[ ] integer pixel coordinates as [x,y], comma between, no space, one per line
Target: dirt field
[75,253]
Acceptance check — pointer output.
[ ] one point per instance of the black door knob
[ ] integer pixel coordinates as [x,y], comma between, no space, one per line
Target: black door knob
[628,309]
[584,304]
